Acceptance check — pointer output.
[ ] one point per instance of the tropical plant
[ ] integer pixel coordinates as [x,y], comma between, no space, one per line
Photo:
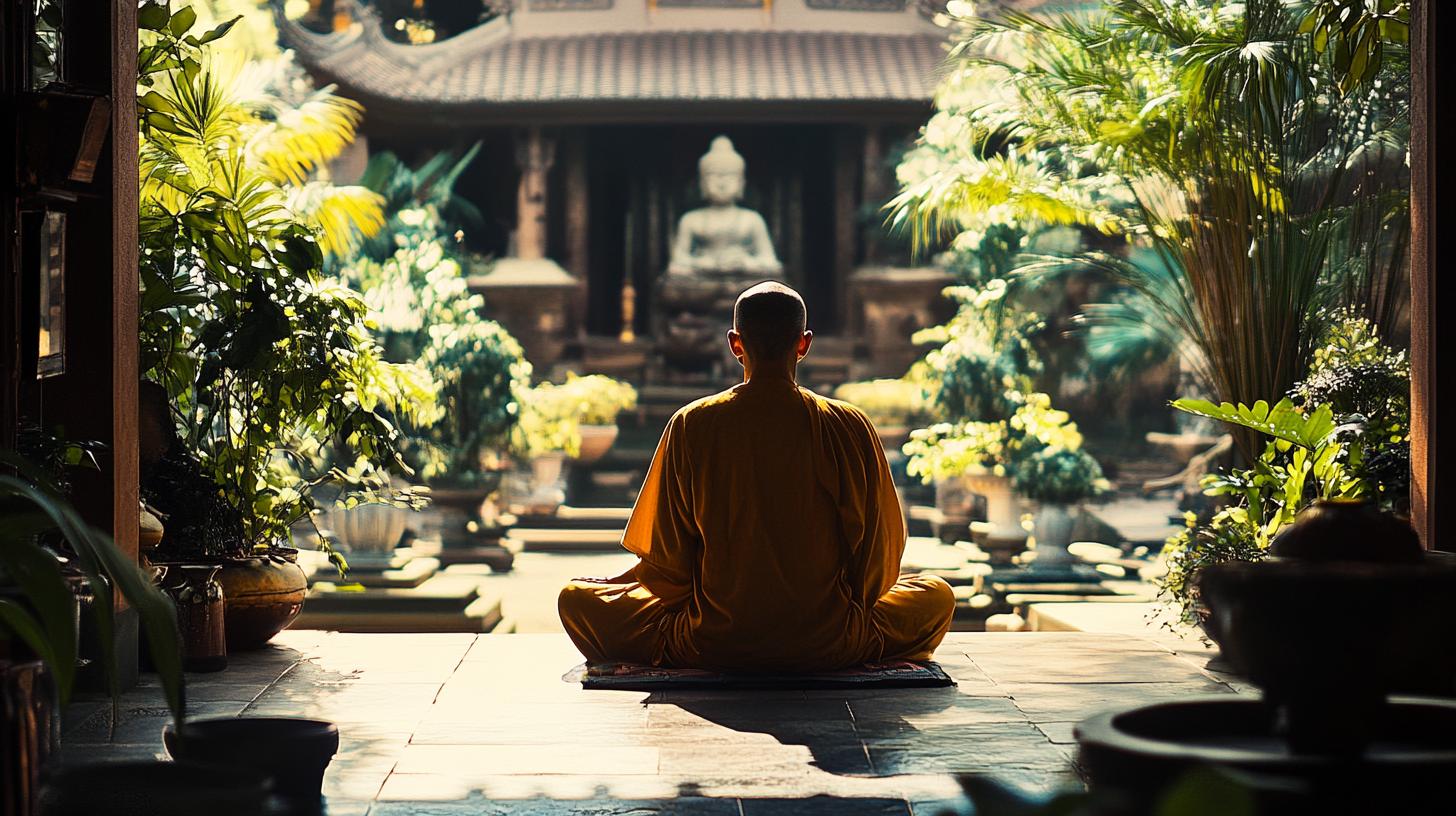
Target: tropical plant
[889,403]
[44,616]
[983,354]
[1207,131]
[431,187]
[262,356]
[1057,475]
[552,415]
[1347,438]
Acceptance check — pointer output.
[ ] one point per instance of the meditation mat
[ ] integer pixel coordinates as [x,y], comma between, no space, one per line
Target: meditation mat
[633,677]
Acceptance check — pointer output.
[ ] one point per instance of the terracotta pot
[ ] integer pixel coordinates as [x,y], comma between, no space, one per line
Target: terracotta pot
[596,440]
[264,594]
[201,614]
[293,752]
[29,732]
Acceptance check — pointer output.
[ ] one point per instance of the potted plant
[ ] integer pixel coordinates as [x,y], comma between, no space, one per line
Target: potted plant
[893,405]
[983,457]
[261,356]
[39,619]
[1344,434]
[1056,479]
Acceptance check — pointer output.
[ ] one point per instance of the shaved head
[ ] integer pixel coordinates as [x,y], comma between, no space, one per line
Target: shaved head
[770,318]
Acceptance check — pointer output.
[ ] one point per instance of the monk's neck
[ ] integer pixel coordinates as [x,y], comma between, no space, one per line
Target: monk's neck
[771,374]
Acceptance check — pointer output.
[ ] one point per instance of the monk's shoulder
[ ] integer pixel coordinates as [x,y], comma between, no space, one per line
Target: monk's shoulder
[846,415]
[700,412]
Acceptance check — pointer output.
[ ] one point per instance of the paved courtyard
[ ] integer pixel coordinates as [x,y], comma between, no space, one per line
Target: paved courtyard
[457,724]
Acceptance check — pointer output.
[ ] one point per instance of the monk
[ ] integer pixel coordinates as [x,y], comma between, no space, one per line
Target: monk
[768,531]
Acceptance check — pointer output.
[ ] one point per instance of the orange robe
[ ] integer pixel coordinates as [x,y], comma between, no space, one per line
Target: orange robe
[770,538]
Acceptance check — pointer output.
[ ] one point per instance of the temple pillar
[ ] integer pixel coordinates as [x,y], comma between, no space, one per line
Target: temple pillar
[529,293]
[535,154]
[846,218]
[577,212]
[872,186]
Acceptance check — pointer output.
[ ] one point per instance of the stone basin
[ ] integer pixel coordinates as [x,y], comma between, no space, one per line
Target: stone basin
[1138,753]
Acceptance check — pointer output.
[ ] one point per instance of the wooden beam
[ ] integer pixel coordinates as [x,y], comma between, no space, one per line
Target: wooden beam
[1426,299]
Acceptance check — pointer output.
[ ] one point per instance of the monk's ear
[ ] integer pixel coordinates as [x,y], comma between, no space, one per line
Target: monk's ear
[735,344]
[805,340]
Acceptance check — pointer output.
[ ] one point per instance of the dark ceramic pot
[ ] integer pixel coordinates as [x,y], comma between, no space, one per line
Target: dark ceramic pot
[1328,641]
[292,752]
[1348,530]
[29,732]
[195,591]
[155,789]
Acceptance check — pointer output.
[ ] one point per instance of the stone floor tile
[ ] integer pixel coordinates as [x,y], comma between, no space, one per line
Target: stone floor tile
[840,754]
[687,806]
[1060,733]
[612,727]
[964,749]
[353,785]
[1076,665]
[744,712]
[825,806]
[466,761]
[1060,702]
[896,716]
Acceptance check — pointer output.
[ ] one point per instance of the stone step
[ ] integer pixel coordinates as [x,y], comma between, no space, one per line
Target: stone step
[568,517]
[528,539]
[444,603]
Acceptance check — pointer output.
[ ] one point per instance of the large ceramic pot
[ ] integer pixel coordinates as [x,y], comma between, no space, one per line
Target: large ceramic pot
[596,440]
[1348,530]
[29,732]
[264,594]
[368,532]
[293,752]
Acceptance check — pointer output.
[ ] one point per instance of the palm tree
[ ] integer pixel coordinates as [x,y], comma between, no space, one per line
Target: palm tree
[1215,135]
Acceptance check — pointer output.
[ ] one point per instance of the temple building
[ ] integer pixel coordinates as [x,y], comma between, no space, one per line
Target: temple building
[593,115]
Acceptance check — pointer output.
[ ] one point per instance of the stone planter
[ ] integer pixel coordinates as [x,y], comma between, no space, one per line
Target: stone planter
[466,537]
[548,484]
[263,594]
[368,532]
[596,440]
[1002,529]
[1053,531]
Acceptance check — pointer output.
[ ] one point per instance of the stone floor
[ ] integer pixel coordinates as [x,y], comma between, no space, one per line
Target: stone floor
[456,724]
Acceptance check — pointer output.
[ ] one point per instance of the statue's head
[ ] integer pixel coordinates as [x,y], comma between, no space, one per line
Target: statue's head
[720,172]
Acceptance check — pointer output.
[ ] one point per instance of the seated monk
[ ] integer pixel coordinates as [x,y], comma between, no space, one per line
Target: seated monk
[768,530]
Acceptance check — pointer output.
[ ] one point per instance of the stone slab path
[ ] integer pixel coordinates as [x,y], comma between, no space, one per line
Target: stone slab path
[441,724]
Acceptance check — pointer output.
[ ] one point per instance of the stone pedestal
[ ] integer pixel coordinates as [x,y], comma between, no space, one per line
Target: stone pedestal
[532,299]
[889,305]
[465,537]
[692,316]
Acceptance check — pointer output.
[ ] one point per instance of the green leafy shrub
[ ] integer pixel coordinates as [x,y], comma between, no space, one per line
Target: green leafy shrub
[263,357]
[1057,475]
[981,355]
[947,450]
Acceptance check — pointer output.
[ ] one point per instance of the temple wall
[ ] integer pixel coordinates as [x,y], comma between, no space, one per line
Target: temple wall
[549,18]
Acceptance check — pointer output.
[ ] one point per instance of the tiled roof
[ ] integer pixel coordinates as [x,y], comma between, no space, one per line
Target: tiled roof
[490,67]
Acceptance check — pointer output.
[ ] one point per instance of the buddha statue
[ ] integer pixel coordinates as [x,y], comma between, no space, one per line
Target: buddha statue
[722,237]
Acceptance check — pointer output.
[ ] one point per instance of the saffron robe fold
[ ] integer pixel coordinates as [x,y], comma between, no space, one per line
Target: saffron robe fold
[770,537]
